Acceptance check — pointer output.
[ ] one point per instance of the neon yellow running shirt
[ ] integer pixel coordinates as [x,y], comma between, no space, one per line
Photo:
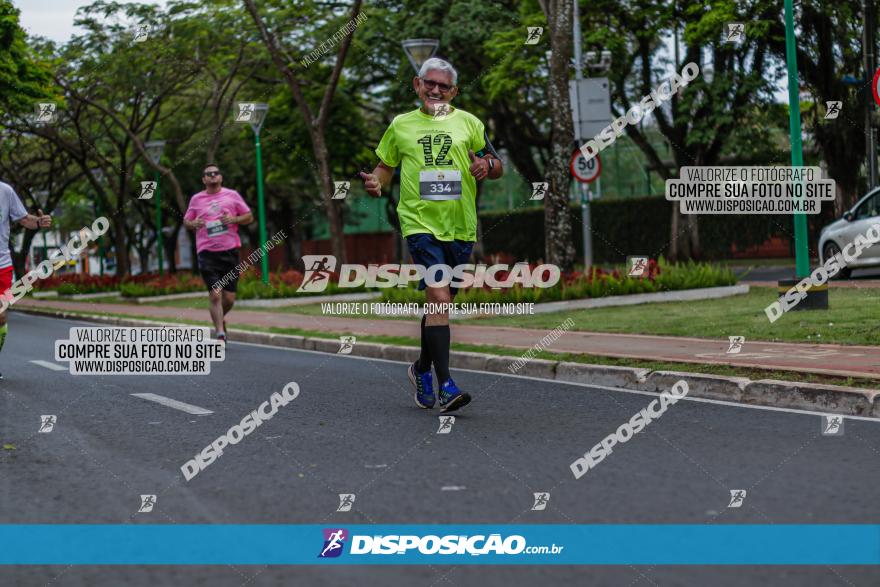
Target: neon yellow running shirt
[437,191]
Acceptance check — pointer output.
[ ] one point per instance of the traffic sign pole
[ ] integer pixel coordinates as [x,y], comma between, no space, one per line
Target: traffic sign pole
[585,172]
[587,222]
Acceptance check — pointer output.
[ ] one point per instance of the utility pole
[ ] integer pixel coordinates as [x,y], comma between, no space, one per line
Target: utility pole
[586,220]
[868,54]
[802,255]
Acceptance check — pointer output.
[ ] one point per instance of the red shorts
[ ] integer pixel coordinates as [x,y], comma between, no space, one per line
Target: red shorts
[6,282]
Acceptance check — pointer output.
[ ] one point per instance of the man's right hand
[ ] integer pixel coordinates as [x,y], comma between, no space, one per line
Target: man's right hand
[371,184]
[197,223]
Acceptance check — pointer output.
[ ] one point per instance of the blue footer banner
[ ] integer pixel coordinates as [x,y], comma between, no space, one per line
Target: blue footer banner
[277,544]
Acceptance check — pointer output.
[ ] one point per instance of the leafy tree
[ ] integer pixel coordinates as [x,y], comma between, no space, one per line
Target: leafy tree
[24,77]
[315,115]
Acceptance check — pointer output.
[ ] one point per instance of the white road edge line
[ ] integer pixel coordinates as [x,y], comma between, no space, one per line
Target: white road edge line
[607,388]
[50,365]
[173,403]
[604,387]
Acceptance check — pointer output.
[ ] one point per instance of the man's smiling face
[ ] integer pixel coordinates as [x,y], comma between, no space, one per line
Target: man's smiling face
[435,88]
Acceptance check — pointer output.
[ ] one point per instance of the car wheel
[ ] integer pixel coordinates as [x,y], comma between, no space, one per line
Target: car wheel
[830,250]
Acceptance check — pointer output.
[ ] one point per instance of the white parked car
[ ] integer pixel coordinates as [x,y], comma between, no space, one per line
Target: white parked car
[844,230]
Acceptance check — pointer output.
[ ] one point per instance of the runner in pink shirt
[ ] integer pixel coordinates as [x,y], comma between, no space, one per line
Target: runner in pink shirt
[215,215]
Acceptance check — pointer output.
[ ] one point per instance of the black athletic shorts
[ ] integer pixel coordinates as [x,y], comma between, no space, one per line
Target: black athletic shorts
[218,269]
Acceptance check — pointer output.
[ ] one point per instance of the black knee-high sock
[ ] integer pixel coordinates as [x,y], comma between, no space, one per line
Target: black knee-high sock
[424,362]
[437,338]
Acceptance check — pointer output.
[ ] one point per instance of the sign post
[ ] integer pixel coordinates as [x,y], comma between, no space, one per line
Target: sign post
[586,172]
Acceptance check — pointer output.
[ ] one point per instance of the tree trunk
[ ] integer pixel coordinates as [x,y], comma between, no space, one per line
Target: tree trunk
[285,219]
[170,243]
[694,236]
[333,208]
[122,265]
[673,252]
[20,258]
[558,247]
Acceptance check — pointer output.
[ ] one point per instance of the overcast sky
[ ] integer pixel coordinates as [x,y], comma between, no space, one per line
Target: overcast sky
[54,18]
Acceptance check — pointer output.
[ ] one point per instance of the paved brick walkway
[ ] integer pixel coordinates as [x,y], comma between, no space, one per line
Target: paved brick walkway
[853,361]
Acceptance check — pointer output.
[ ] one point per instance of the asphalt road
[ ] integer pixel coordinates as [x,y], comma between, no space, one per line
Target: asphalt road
[355,429]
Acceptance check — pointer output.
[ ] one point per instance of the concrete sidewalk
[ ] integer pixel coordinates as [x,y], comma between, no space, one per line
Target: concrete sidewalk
[829,359]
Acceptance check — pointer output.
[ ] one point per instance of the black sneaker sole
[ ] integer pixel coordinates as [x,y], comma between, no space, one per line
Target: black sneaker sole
[457,403]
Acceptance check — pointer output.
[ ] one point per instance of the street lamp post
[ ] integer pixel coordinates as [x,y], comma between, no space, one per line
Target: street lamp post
[99,176]
[43,194]
[154,152]
[255,115]
[417,51]
[802,256]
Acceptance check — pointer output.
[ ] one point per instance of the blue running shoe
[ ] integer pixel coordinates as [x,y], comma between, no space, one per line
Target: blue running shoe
[452,398]
[424,384]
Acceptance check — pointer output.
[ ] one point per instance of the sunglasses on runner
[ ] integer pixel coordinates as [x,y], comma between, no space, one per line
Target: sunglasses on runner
[431,84]
[212,173]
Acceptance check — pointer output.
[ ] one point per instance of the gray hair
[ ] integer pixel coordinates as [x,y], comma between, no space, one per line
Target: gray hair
[437,64]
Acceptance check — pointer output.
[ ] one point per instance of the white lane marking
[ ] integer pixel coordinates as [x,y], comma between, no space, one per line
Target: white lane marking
[607,388]
[452,488]
[173,403]
[375,466]
[50,365]
[588,385]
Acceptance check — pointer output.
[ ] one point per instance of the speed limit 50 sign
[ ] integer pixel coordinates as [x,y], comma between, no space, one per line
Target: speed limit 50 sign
[875,87]
[584,170]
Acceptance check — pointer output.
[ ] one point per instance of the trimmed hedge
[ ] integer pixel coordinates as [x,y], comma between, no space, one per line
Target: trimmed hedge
[637,226]
[660,276]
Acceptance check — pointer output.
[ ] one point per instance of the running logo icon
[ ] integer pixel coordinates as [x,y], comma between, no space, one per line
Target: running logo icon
[735,32]
[245,112]
[147,503]
[539,190]
[142,33]
[318,271]
[46,112]
[334,542]
[441,111]
[341,189]
[737,496]
[735,344]
[637,266]
[832,109]
[446,423]
[346,344]
[47,423]
[346,500]
[533,35]
[832,425]
[541,501]
[148,188]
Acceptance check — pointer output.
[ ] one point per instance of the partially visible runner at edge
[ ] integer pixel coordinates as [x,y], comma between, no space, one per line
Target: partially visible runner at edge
[12,210]
[443,151]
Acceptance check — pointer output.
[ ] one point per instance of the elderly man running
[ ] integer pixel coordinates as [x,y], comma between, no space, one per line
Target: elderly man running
[444,152]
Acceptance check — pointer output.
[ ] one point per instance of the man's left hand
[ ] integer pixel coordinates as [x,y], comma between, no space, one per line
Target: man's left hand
[43,220]
[227,219]
[479,167]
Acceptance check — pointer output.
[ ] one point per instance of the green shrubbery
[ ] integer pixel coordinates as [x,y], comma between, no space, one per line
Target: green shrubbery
[660,276]
[282,284]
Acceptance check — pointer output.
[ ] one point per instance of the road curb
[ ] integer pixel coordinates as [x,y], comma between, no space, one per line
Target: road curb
[831,399]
